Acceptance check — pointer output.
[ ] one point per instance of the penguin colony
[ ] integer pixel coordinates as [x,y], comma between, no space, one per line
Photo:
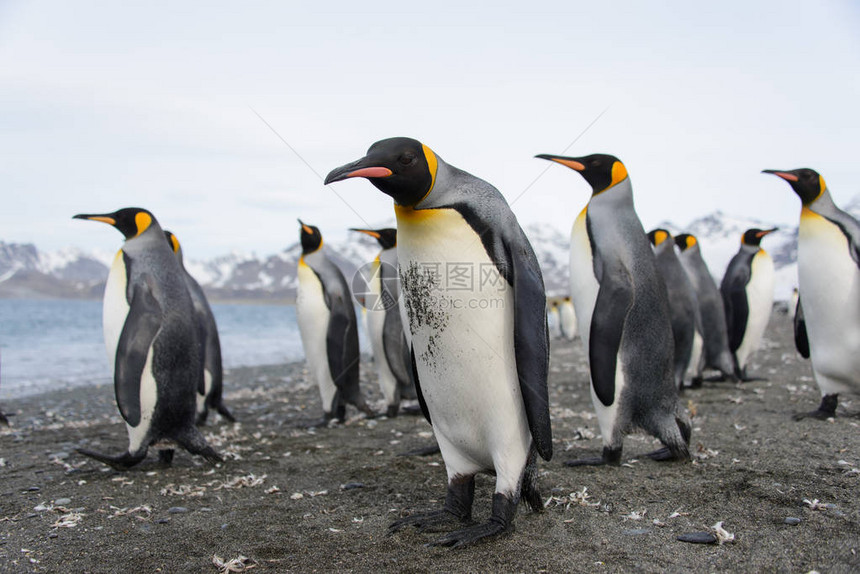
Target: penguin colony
[648,312]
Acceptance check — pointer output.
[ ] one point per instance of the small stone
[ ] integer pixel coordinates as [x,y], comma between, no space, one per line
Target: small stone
[162,521]
[204,509]
[351,485]
[791,520]
[59,455]
[62,501]
[34,489]
[698,538]
[53,535]
[177,510]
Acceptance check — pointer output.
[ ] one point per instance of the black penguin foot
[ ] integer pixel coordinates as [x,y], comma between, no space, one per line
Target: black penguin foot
[504,511]
[825,410]
[316,423]
[611,456]
[433,521]
[123,461]
[696,382]
[662,455]
[165,457]
[391,411]
[412,410]
[194,443]
[752,379]
[225,412]
[423,451]
[3,419]
[458,509]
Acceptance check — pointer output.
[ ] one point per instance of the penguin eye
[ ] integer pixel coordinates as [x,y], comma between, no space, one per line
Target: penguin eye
[406,158]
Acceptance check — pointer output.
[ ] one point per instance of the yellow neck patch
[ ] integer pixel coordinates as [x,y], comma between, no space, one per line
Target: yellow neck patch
[619,172]
[175,243]
[660,237]
[822,186]
[432,166]
[690,241]
[142,220]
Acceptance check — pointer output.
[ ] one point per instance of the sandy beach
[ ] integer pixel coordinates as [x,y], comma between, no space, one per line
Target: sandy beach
[297,500]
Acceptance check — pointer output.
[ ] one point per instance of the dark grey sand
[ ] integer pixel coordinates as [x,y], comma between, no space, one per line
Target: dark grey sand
[321,501]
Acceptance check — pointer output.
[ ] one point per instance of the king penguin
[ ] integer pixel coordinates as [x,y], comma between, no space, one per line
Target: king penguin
[210,391]
[384,323]
[747,290]
[475,310]
[554,321]
[717,354]
[152,341]
[828,269]
[683,307]
[329,329]
[623,313]
[567,318]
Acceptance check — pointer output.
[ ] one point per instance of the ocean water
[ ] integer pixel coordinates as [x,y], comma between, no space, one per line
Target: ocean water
[53,344]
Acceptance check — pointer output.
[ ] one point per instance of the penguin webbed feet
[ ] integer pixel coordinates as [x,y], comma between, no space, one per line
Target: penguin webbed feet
[120,462]
[611,457]
[225,412]
[457,509]
[501,522]
[165,457]
[826,410]
[3,419]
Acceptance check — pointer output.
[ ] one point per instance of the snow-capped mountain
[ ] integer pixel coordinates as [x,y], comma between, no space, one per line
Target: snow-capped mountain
[26,272]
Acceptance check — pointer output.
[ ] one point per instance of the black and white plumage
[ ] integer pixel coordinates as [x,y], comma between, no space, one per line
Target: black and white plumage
[747,290]
[827,322]
[210,390]
[475,310]
[623,313]
[152,342]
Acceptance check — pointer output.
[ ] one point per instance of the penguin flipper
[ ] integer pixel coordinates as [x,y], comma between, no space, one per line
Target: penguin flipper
[418,387]
[607,326]
[801,339]
[737,313]
[342,350]
[141,326]
[123,461]
[531,341]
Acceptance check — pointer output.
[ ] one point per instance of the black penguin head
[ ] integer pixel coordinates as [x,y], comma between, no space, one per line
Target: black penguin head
[131,221]
[600,170]
[658,236]
[685,241]
[387,237]
[753,236]
[311,238]
[805,182]
[403,168]
[567,299]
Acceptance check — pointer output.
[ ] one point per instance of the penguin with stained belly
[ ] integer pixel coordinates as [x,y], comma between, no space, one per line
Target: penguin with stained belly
[475,309]
[210,391]
[152,341]
[384,323]
[747,290]
[683,307]
[717,354]
[623,313]
[328,328]
[567,319]
[828,269]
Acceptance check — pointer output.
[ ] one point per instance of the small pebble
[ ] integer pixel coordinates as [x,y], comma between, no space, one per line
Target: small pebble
[59,455]
[53,535]
[698,538]
[351,485]
[204,509]
[792,521]
[162,521]
[63,501]
[177,510]
[34,489]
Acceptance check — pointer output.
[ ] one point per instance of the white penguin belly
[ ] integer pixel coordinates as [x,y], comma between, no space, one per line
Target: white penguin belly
[759,292]
[583,292]
[568,320]
[207,388]
[375,328]
[313,317]
[460,314]
[115,307]
[830,295]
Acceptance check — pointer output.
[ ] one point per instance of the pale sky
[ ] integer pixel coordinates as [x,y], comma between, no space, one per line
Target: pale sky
[151,104]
